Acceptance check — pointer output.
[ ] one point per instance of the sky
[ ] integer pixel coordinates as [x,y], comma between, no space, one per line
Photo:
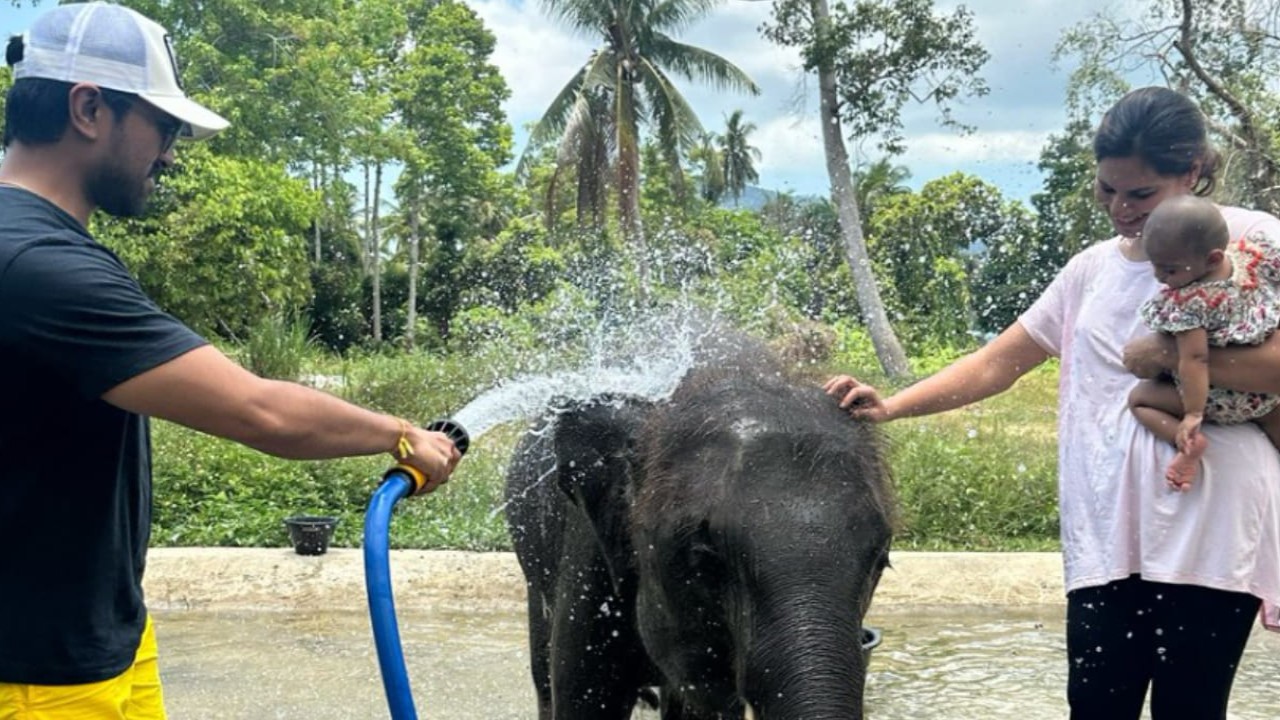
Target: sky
[1024,106]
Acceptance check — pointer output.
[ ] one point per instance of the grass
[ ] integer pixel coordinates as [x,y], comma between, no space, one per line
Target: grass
[983,477]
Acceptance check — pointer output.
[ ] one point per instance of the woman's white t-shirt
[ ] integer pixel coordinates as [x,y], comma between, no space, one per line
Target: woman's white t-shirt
[1118,515]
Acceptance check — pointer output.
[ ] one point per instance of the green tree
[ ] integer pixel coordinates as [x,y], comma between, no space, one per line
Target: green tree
[1226,55]
[814,224]
[225,244]
[1068,218]
[1017,263]
[6,82]
[738,155]
[378,141]
[449,98]
[584,155]
[926,245]
[871,56]
[625,84]
[706,156]
[303,83]
[876,181]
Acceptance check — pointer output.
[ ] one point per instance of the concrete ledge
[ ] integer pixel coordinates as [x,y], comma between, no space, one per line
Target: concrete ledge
[279,579]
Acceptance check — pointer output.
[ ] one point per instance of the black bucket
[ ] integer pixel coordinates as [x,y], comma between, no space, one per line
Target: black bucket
[870,641]
[310,534]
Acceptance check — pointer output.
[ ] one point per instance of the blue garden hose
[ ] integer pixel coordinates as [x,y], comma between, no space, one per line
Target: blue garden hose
[399,482]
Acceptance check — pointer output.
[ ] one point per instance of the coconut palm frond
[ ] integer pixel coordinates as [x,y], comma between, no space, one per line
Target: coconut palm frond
[552,123]
[679,14]
[697,64]
[678,124]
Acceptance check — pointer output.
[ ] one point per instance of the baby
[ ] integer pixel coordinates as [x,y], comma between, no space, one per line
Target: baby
[1217,292]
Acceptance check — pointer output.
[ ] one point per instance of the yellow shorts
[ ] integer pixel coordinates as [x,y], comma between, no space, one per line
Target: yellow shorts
[132,695]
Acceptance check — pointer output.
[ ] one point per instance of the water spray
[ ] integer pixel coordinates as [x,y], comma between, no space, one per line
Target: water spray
[399,482]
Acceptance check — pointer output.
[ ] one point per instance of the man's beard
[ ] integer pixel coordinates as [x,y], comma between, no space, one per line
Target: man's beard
[118,193]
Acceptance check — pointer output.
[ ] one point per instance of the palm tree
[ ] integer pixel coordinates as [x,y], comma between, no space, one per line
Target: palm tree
[738,155]
[707,157]
[629,76]
[874,182]
[587,142]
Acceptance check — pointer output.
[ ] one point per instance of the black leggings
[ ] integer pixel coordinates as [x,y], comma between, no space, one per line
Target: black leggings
[1185,641]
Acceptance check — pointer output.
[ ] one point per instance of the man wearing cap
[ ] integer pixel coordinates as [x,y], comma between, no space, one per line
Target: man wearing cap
[86,358]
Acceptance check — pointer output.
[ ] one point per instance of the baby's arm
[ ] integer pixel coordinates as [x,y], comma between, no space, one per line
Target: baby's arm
[1193,380]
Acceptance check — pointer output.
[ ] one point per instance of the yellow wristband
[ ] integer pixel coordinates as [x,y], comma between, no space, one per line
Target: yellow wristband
[403,449]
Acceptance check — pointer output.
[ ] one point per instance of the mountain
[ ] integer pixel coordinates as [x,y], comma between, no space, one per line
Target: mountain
[754,198]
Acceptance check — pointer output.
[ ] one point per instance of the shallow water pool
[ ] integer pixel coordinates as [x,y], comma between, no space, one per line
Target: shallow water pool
[933,663]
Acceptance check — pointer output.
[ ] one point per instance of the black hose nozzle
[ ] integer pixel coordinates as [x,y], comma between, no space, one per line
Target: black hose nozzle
[454,430]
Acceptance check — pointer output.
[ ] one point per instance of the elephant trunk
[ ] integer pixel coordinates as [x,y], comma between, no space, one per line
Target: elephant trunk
[803,667]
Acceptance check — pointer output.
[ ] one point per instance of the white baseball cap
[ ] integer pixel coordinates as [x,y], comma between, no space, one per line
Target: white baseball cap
[113,47]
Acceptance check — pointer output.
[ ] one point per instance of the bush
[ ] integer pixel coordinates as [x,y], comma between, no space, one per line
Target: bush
[215,492]
[277,347]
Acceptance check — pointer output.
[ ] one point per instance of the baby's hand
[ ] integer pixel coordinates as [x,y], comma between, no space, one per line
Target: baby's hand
[1187,431]
[1184,468]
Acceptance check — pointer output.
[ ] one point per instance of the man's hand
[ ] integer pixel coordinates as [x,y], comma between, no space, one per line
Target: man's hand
[1151,356]
[434,455]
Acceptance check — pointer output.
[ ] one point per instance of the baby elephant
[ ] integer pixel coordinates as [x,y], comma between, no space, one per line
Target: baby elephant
[721,546]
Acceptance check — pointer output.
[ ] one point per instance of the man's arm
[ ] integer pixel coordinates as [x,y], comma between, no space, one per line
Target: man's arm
[1247,368]
[205,390]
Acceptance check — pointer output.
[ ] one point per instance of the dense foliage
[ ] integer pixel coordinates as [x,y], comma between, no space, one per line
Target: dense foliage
[360,224]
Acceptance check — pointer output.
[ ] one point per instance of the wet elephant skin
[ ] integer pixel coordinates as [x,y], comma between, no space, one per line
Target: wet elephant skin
[713,553]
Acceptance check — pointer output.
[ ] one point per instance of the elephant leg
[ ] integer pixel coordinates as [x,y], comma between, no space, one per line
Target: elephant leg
[540,651]
[597,662]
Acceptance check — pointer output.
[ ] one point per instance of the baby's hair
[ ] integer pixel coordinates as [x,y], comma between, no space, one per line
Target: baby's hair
[1188,222]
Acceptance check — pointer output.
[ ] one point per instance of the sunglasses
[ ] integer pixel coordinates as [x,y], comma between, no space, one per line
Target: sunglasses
[167,126]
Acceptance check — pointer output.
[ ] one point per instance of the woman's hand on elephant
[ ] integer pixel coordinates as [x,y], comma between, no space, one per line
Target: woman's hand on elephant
[861,400]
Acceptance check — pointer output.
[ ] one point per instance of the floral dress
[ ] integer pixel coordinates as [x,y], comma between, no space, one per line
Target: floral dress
[1243,309]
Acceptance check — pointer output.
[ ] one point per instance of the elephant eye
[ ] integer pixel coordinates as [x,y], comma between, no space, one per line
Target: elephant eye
[705,561]
[704,554]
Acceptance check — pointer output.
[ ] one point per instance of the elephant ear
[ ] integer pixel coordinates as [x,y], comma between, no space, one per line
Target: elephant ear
[596,464]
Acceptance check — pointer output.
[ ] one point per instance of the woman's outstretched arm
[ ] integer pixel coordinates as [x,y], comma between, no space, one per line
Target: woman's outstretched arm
[988,371]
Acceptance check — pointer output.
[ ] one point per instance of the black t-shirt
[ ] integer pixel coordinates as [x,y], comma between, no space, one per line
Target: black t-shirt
[75,471]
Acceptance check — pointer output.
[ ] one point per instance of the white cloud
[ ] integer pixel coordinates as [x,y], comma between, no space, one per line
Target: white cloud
[996,146]
[790,145]
[536,56]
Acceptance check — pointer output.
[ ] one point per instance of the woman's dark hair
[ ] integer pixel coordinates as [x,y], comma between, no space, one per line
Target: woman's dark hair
[1163,128]
[36,110]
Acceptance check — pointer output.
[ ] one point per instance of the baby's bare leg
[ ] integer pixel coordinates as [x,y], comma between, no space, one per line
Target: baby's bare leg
[1158,406]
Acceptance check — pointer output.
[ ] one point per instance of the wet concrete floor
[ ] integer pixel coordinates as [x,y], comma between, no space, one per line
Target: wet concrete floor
[935,662]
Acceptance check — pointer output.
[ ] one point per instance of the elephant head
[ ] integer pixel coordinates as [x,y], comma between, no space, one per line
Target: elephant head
[722,545]
[762,520]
